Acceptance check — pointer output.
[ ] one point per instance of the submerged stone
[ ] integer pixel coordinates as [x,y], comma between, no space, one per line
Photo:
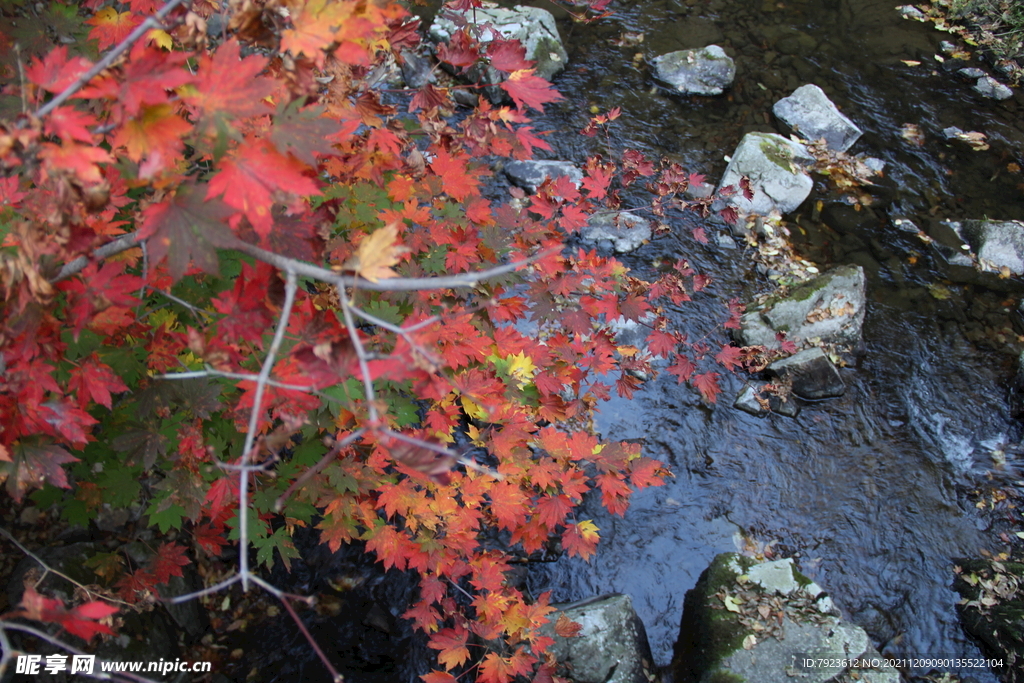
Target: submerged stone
[530,175]
[618,230]
[705,71]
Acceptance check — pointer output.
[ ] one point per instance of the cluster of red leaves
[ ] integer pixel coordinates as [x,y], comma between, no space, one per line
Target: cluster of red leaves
[200,145]
[84,621]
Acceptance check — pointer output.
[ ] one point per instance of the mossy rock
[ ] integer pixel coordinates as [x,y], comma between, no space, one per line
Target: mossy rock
[992,610]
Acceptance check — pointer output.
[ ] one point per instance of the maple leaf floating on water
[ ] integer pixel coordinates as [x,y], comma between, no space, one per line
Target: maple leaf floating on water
[376,254]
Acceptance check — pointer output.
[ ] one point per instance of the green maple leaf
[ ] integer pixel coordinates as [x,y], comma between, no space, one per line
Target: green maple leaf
[187,228]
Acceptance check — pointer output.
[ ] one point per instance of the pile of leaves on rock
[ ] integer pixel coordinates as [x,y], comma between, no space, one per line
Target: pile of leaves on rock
[245,292]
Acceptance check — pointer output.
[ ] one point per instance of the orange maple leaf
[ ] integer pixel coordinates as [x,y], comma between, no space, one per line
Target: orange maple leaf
[112,26]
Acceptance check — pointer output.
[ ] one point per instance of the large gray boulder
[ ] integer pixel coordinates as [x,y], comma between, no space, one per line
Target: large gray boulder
[705,71]
[618,230]
[777,171]
[611,646]
[749,622]
[989,87]
[531,174]
[829,308]
[533,27]
[812,116]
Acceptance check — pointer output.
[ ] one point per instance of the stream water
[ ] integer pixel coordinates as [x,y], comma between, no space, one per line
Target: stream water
[869,490]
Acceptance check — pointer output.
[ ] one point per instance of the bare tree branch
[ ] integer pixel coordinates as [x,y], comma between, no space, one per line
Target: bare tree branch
[324,461]
[122,243]
[254,421]
[108,59]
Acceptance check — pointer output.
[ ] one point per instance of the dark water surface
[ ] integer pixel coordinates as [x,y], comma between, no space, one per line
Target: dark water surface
[868,490]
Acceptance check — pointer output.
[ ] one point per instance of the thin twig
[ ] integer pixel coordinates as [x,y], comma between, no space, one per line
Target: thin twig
[109,58]
[283,597]
[201,374]
[291,284]
[364,366]
[47,569]
[206,591]
[324,461]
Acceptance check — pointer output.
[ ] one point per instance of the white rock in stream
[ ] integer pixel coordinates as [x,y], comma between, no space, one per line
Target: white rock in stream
[812,115]
[776,167]
[533,27]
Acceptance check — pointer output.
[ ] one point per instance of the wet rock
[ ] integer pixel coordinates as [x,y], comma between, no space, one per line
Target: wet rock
[533,27]
[911,12]
[812,116]
[705,71]
[530,175]
[746,622]
[812,374]
[1000,243]
[952,132]
[829,308]
[971,72]
[417,71]
[618,230]
[612,646]
[991,88]
[992,609]
[748,402]
[776,169]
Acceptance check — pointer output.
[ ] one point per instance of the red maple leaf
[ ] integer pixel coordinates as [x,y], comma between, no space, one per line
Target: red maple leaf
[452,645]
[683,368]
[508,55]
[94,380]
[82,621]
[230,86]
[459,182]
[250,178]
[528,90]
[33,462]
[730,356]
[168,561]
[644,472]
[707,384]
[56,72]
[581,539]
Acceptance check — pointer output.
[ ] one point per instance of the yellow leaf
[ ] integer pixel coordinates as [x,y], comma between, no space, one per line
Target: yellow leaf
[732,604]
[521,367]
[473,409]
[161,38]
[376,254]
[588,530]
